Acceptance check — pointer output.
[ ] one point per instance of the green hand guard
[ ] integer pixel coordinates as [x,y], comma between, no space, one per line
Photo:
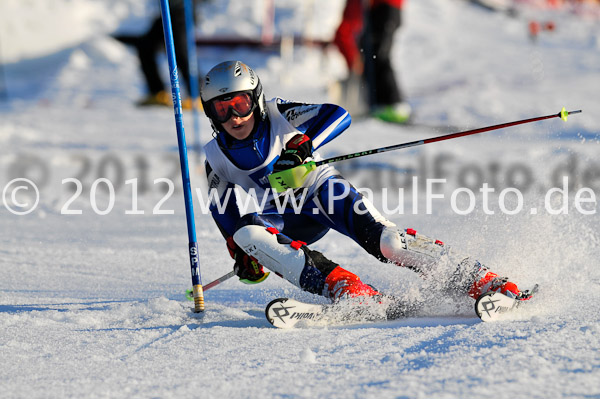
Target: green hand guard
[260,280]
[291,178]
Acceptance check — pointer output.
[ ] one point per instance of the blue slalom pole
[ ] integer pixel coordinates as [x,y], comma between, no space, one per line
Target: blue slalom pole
[3,85]
[190,33]
[183,159]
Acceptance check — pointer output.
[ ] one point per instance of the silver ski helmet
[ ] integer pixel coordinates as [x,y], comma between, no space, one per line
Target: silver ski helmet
[224,81]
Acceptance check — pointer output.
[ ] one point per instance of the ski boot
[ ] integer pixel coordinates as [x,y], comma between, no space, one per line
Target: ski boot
[492,283]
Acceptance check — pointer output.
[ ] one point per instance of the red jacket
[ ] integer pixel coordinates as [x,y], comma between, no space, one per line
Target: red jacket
[348,33]
[393,3]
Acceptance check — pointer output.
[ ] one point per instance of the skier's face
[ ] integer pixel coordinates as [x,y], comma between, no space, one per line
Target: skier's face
[239,127]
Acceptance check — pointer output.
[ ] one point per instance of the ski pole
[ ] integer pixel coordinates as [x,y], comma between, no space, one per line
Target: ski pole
[562,114]
[188,293]
[190,34]
[219,280]
[183,160]
[294,177]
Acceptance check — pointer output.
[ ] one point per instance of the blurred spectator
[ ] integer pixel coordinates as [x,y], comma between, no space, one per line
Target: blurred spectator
[148,47]
[370,25]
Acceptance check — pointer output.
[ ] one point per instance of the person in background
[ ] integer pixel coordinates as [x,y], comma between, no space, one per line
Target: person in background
[365,37]
[150,44]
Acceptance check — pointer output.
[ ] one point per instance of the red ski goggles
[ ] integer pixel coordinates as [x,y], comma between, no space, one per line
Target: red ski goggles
[240,104]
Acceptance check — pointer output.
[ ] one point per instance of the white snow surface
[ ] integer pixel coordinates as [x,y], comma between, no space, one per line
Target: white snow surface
[93,306]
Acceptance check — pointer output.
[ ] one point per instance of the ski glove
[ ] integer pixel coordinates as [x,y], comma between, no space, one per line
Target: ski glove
[246,267]
[295,153]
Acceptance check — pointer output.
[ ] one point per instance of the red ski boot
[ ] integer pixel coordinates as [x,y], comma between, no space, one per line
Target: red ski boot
[342,284]
[491,282]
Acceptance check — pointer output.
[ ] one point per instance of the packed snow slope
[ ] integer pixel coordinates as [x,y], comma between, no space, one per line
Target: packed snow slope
[92,292]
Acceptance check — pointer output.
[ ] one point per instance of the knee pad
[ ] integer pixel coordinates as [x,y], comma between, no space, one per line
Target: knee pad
[290,259]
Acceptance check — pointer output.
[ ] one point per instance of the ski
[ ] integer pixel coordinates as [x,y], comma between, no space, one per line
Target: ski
[492,306]
[289,313]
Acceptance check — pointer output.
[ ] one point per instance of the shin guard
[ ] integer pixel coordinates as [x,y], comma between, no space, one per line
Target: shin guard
[293,260]
[290,259]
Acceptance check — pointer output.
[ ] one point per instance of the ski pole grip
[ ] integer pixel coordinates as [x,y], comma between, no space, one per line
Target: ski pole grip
[198,299]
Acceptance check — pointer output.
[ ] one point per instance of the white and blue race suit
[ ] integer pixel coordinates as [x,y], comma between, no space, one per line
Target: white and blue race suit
[247,163]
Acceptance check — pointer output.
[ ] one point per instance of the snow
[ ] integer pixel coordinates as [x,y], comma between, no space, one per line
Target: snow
[93,305]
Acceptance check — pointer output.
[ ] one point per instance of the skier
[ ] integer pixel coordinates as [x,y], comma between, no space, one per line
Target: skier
[253,138]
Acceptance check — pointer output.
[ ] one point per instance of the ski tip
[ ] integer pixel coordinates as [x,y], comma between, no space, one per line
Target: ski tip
[276,314]
[492,305]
